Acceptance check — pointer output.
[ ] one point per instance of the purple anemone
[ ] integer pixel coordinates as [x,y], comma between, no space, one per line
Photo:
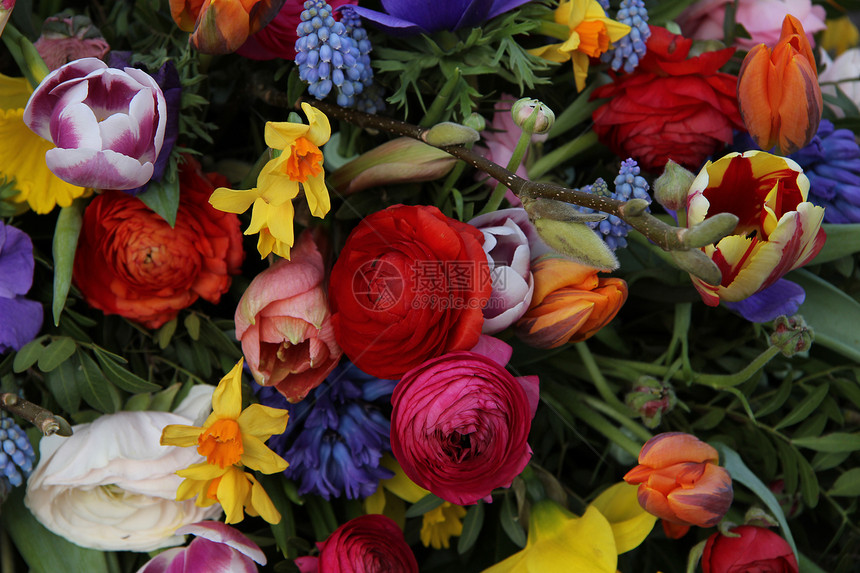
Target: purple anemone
[409,18]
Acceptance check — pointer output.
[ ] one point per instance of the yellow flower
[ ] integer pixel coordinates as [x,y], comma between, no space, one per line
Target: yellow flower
[590,33]
[300,163]
[559,541]
[230,439]
[441,524]
[840,34]
[22,153]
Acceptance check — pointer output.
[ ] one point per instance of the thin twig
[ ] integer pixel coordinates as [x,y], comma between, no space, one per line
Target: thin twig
[47,422]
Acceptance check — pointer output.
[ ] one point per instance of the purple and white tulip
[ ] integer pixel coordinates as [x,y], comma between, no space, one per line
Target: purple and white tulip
[108,124]
[508,253]
[218,548]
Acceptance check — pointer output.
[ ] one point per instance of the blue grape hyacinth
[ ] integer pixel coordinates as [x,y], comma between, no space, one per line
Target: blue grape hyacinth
[16,455]
[629,49]
[628,185]
[336,437]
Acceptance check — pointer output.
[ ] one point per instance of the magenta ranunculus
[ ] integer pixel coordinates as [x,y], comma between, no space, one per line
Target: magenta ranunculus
[216,547]
[460,422]
[108,124]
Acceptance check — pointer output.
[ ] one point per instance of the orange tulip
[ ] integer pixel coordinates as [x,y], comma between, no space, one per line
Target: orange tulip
[778,92]
[570,303]
[680,480]
[222,26]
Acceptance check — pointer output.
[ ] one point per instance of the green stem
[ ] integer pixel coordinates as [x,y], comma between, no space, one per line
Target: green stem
[7,558]
[640,367]
[514,164]
[562,154]
[639,430]
[437,108]
[577,112]
[730,380]
[599,381]
[553,30]
[25,55]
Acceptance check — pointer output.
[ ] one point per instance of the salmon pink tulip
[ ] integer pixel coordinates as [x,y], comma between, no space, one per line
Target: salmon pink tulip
[221,27]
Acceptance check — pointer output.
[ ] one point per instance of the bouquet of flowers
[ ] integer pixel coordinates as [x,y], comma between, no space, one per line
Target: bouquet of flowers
[468,285]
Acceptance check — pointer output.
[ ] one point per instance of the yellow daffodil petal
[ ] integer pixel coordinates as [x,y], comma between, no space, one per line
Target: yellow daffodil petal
[233,201]
[190,488]
[203,471]
[281,134]
[232,493]
[375,502]
[441,524]
[262,422]
[400,485]
[179,435]
[320,129]
[580,69]
[14,92]
[280,223]
[227,398]
[551,52]
[259,216]
[261,502]
[258,456]
[317,196]
[266,244]
[630,523]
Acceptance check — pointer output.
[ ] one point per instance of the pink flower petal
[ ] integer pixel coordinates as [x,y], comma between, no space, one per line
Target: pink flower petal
[99,169]
[223,533]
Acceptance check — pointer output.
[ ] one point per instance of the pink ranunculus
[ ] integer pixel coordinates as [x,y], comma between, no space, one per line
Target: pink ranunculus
[460,422]
[284,324]
[216,547]
[366,544]
[703,20]
[107,124]
[506,243]
[278,39]
[67,38]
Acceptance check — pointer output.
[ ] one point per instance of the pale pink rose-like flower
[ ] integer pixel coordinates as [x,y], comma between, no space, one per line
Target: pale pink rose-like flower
[845,70]
[216,547]
[284,323]
[107,124]
[703,20]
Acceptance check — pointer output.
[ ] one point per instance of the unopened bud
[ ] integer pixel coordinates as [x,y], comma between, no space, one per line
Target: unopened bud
[651,398]
[699,265]
[791,335]
[558,211]
[634,207]
[709,231]
[760,518]
[578,242]
[449,133]
[476,121]
[670,189]
[532,116]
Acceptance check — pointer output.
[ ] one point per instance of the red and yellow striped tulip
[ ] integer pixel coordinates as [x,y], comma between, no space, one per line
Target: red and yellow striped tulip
[680,481]
[778,231]
[778,92]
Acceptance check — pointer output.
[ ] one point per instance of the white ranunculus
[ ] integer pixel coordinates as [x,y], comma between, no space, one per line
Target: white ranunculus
[111,486]
[846,71]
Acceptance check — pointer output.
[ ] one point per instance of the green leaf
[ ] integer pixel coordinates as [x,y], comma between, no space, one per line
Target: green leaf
[788,460]
[742,474]
[578,242]
[95,389]
[472,524]
[57,352]
[806,407]
[510,522]
[778,399]
[835,442]
[65,243]
[165,333]
[192,325]
[833,315]
[423,505]
[847,485]
[61,382]
[163,401]
[163,198]
[138,403]
[43,551]
[809,487]
[28,355]
[123,378]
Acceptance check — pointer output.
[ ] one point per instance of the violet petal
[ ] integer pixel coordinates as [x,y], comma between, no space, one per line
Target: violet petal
[781,298]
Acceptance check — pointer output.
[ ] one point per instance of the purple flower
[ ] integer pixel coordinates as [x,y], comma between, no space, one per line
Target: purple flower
[20,319]
[508,254]
[217,547]
[108,124]
[781,298]
[409,18]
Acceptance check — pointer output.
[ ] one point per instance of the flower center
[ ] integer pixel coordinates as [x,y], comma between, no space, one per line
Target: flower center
[593,39]
[305,160]
[221,443]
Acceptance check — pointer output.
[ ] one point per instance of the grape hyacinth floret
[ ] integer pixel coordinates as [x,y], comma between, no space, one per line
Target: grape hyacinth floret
[629,49]
[16,454]
[332,54]
[628,185]
[337,435]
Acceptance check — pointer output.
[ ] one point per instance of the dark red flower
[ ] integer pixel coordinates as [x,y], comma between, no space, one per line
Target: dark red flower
[409,285]
[757,550]
[671,107]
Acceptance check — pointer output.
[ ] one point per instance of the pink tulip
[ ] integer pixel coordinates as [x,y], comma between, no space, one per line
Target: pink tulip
[107,124]
[284,324]
[217,547]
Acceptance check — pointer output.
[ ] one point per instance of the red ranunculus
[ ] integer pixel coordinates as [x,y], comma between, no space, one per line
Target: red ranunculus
[460,424]
[670,107]
[130,262]
[366,544]
[409,285]
[757,550]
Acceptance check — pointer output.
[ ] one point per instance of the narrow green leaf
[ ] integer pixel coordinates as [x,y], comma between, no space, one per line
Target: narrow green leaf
[847,485]
[777,400]
[61,382]
[163,198]
[742,474]
[28,355]
[165,333]
[806,407]
[128,381]
[95,389]
[138,403]
[215,337]
[510,522]
[835,442]
[423,505]
[788,461]
[192,325]
[833,315]
[809,488]
[65,243]
[57,352]
[828,460]
[163,401]
[472,524]
[710,420]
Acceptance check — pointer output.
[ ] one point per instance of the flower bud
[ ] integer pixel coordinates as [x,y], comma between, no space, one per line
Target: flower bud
[476,121]
[670,189]
[710,231]
[651,399]
[65,39]
[449,133]
[750,549]
[532,116]
[791,335]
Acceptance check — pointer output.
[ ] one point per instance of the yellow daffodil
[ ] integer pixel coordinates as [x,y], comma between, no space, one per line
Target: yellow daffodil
[301,162]
[22,153]
[230,439]
[840,35]
[441,524]
[589,33]
[558,541]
